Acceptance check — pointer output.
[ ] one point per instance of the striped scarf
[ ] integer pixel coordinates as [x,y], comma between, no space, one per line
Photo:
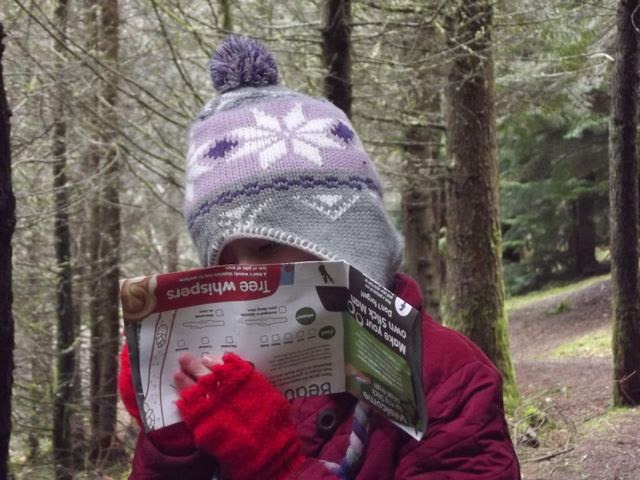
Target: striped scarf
[352,461]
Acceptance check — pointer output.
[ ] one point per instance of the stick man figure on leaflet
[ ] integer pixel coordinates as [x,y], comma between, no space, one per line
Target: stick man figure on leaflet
[325,275]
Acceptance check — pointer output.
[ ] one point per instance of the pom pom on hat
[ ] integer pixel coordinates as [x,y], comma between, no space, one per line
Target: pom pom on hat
[242,62]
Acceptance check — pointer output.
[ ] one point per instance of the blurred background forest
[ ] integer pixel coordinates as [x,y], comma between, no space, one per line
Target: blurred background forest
[102,94]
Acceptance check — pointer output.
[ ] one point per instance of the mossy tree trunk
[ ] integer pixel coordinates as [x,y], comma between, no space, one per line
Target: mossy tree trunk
[623,198]
[336,53]
[7,225]
[474,301]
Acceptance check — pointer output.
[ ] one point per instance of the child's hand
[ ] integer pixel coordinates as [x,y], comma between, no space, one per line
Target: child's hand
[238,417]
[191,369]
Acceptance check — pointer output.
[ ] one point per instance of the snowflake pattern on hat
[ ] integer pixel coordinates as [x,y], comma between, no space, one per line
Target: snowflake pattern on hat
[273,138]
[269,140]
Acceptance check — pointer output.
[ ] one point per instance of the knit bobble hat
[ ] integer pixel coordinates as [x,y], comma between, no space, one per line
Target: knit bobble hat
[267,162]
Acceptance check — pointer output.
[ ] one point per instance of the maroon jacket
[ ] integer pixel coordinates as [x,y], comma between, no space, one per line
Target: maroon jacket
[466,439]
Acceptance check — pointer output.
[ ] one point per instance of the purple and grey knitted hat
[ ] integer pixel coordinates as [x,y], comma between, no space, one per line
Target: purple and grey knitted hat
[268,162]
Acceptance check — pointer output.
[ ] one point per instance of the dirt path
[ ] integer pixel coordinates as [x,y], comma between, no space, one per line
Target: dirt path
[583,438]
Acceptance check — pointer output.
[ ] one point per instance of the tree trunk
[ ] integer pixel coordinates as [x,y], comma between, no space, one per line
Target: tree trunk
[421,208]
[623,198]
[582,239]
[109,248]
[65,352]
[475,289]
[7,225]
[93,235]
[89,267]
[78,418]
[227,22]
[336,53]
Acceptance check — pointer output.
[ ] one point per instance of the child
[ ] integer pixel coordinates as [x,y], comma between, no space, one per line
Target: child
[277,176]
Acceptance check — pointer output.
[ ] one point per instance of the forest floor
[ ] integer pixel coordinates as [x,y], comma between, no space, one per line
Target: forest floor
[561,347]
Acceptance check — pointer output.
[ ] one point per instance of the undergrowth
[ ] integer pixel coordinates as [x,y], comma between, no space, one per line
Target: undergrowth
[522,301]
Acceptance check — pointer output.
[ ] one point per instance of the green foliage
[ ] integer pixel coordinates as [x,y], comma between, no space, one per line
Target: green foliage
[534,416]
[552,136]
[594,344]
[549,162]
[607,421]
[531,413]
[563,306]
[526,300]
[510,397]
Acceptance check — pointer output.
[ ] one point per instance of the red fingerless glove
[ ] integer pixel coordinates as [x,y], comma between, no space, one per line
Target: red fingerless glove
[243,421]
[175,440]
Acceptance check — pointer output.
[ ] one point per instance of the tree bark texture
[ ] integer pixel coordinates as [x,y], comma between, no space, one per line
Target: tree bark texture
[475,289]
[109,247]
[7,226]
[227,22]
[423,207]
[91,242]
[65,335]
[623,198]
[336,53]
